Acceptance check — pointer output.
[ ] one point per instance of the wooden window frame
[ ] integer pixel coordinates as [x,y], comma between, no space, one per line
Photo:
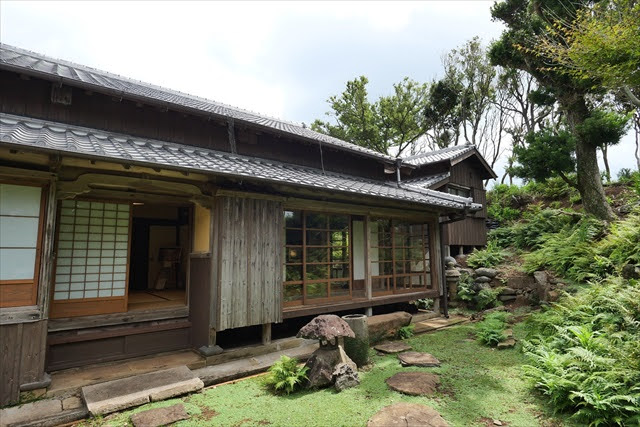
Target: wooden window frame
[391,279]
[5,301]
[306,301]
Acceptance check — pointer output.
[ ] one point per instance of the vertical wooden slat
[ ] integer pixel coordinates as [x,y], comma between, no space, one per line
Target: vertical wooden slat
[33,349]
[11,345]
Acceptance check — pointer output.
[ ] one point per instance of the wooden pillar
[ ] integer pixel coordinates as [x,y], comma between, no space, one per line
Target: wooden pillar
[367,260]
[368,311]
[266,333]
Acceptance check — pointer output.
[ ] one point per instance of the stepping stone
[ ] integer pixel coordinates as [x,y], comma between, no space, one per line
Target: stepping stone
[393,347]
[407,415]
[133,391]
[508,343]
[413,358]
[160,416]
[414,383]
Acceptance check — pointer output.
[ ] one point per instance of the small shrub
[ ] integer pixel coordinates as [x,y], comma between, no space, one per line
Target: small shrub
[405,332]
[423,303]
[465,288]
[285,376]
[491,330]
[491,256]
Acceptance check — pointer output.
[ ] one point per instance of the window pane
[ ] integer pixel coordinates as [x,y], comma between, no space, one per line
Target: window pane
[317,238]
[293,273]
[339,288]
[339,254]
[317,290]
[20,200]
[17,264]
[316,220]
[292,293]
[294,237]
[293,219]
[339,238]
[317,272]
[18,232]
[317,254]
[294,254]
[340,271]
[339,222]
[379,284]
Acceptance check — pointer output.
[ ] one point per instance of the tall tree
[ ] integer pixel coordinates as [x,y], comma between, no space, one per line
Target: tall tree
[526,22]
[391,125]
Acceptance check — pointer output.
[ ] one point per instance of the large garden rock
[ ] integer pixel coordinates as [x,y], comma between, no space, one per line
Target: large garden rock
[488,272]
[345,377]
[414,383]
[323,363]
[407,415]
[386,325]
[483,279]
[326,328]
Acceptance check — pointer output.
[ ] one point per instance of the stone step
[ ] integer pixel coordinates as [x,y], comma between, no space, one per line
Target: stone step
[229,371]
[438,323]
[133,391]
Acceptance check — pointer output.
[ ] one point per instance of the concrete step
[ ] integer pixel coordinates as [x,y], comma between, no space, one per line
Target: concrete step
[229,371]
[133,391]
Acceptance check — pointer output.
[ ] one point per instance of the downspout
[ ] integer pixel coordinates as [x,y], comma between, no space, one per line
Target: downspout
[398,165]
[443,269]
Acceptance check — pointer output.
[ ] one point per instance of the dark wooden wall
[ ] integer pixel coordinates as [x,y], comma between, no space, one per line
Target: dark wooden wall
[32,98]
[470,231]
[249,262]
[22,357]
[200,299]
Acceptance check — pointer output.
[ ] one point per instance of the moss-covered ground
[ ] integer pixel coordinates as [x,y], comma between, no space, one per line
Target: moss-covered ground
[479,385]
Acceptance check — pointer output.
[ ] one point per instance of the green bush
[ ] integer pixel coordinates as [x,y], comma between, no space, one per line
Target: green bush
[285,376]
[491,330]
[405,332]
[487,298]
[491,256]
[584,353]
[465,288]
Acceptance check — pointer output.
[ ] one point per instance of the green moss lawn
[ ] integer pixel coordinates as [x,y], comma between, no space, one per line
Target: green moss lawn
[479,385]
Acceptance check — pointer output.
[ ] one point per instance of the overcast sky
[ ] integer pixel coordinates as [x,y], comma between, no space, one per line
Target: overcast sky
[280,59]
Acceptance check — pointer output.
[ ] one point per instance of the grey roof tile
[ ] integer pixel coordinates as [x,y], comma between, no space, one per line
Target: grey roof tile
[439,155]
[21,58]
[427,181]
[94,143]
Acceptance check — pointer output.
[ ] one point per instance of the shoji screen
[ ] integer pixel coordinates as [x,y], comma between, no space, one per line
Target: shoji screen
[91,258]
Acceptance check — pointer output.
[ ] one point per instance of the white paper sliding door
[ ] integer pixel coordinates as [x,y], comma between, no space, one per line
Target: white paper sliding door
[92,254]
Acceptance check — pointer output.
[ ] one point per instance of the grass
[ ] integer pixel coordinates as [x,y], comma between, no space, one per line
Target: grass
[478,384]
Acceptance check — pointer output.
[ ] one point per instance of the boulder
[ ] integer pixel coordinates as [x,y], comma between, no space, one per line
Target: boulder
[541,278]
[631,271]
[507,298]
[345,377]
[326,328]
[482,279]
[489,272]
[508,291]
[449,260]
[386,325]
[323,363]
[407,415]
[470,271]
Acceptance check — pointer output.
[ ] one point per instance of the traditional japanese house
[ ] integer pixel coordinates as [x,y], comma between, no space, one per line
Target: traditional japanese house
[459,170]
[136,219]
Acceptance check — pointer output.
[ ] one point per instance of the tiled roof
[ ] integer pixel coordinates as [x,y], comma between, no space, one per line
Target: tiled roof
[92,143]
[427,181]
[448,153]
[30,62]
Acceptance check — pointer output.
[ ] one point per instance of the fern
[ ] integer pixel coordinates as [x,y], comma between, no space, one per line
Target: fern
[285,376]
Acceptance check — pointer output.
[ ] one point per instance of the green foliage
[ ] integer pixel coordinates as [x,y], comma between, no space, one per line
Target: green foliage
[604,127]
[582,251]
[491,256]
[490,331]
[546,152]
[465,288]
[394,121]
[285,376]
[405,332]
[423,303]
[584,354]
[487,298]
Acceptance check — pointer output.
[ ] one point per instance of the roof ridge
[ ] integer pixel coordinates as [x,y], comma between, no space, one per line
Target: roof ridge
[441,150]
[229,111]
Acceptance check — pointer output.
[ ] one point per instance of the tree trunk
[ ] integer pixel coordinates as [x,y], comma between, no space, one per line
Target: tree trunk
[589,181]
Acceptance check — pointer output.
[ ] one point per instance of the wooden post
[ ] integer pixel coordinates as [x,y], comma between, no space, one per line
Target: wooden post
[367,259]
[266,333]
[368,311]
[212,337]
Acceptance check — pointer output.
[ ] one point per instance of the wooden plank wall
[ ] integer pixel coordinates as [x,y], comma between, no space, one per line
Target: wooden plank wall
[250,262]
[468,232]
[22,357]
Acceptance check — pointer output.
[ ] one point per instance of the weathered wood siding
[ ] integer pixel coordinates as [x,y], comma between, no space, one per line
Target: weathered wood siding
[249,262]
[470,231]
[22,357]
